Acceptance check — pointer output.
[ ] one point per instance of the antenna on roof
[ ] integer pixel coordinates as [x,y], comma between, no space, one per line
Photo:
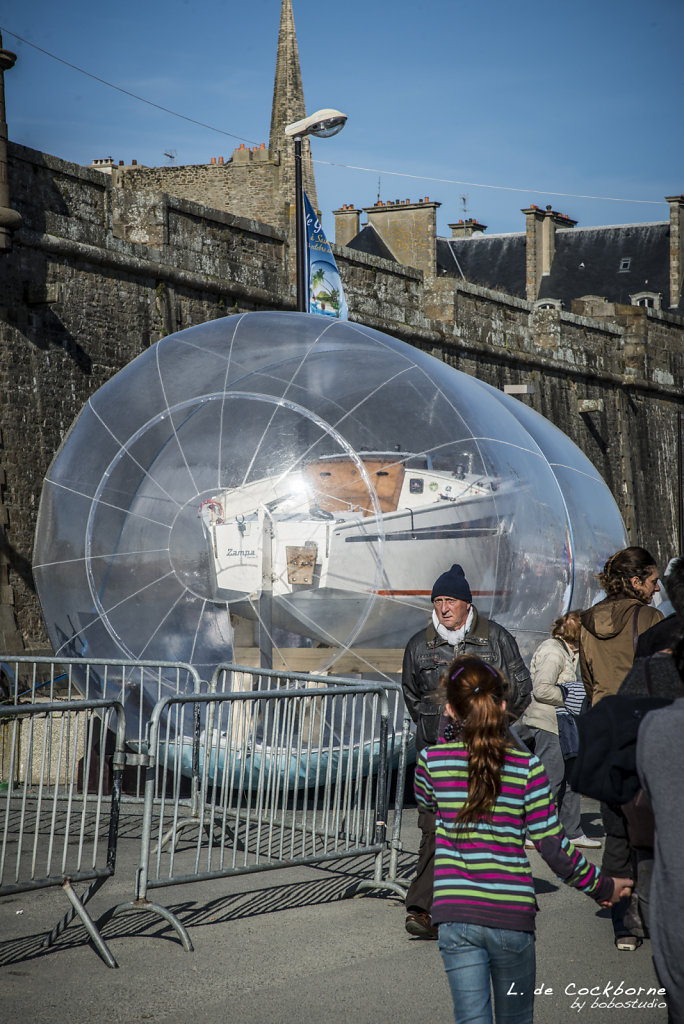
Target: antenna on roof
[379,180]
[171,154]
[464,200]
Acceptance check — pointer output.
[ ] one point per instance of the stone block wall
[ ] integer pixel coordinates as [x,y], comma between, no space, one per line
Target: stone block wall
[99,272]
[249,188]
[94,277]
[629,365]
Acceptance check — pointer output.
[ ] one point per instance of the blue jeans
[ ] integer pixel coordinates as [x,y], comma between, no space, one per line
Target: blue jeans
[479,960]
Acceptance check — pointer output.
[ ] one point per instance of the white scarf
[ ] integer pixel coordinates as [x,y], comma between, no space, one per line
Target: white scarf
[453,636]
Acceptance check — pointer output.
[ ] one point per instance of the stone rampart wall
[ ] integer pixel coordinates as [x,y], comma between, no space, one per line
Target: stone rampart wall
[216,186]
[98,273]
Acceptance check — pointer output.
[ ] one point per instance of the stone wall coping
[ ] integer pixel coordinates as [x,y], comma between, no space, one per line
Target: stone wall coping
[365,259]
[124,260]
[208,213]
[665,315]
[56,163]
[516,303]
[93,176]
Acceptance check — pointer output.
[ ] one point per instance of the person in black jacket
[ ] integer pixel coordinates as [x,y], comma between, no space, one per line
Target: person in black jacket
[661,770]
[655,675]
[455,628]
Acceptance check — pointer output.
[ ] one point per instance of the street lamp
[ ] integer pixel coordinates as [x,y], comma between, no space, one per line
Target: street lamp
[322,123]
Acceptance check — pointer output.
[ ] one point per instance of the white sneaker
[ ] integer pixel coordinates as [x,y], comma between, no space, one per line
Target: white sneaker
[586,842]
[529,845]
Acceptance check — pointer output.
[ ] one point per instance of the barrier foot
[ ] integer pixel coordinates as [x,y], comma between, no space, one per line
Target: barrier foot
[90,926]
[174,832]
[154,908]
[367,884]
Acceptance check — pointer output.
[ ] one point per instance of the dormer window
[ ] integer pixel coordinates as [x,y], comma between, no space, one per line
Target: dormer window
[625,264]
[649,300]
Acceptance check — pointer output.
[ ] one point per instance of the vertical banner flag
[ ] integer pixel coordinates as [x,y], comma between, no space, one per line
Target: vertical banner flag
[326,294]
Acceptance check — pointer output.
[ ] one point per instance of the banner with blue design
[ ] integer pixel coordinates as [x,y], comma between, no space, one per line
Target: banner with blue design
[326,295]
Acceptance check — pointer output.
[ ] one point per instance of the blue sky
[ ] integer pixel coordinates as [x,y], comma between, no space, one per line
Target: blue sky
[583,99]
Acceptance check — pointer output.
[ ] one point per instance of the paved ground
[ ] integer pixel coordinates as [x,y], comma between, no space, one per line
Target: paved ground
[284,947]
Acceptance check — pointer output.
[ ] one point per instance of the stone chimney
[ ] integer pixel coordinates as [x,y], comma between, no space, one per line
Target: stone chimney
[347,224]
[241,155]
[409,230]
[10,220]
[676,247]
[540,228]
[467,228]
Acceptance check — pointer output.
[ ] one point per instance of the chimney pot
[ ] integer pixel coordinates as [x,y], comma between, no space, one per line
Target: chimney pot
[213,159]
[134,162]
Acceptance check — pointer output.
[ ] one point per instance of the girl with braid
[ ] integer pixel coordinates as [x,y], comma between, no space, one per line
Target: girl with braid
[487,794]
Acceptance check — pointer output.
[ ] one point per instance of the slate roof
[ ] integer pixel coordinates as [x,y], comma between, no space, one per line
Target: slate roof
[369,241]
[613,262]
[493,261]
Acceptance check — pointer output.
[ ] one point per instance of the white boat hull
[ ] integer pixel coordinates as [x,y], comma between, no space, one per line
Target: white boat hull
[372,577]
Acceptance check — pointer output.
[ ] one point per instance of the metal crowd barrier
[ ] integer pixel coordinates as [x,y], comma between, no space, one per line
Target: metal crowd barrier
[138,685]
[286,777]
[262,770]
[54,831]
[400,744]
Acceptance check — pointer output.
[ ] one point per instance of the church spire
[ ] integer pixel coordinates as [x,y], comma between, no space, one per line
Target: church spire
[289,106]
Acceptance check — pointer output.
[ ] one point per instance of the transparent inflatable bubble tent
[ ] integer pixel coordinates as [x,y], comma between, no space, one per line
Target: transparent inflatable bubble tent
[280,486]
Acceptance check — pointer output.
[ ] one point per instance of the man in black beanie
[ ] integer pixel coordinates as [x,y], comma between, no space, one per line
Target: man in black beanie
[455,628]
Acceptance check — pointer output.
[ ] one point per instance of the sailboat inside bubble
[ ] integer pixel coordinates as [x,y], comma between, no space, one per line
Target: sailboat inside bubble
[282,489]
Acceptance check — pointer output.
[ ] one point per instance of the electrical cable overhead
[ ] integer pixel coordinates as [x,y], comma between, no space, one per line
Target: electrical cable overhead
[475,184]
[330,163]
[127,92]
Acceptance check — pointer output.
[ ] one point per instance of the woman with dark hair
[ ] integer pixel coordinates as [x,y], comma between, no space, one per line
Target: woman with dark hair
[611,628]
[487,793]
[554,679]
[608,640]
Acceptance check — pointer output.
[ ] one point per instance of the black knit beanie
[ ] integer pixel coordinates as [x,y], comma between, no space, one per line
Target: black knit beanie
[452,584]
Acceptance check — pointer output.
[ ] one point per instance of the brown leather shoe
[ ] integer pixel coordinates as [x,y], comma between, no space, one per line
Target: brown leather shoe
[419,924]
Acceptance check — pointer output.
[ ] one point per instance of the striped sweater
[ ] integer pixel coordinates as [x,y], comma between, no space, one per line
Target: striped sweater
[482,874]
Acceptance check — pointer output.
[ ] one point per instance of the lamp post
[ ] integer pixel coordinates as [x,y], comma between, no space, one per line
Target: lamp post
[323,124]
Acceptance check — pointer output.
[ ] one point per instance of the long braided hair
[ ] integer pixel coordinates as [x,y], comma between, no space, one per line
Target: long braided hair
[475,693]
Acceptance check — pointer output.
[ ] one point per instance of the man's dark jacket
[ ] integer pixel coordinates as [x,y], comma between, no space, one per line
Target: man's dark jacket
[428,655]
